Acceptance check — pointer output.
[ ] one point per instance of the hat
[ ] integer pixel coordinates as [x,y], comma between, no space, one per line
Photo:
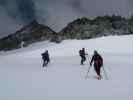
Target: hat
[95,52]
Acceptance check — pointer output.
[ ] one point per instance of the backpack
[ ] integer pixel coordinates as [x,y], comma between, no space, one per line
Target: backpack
[43,55]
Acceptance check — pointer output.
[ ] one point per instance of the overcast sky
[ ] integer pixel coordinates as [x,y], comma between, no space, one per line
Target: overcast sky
[56,13]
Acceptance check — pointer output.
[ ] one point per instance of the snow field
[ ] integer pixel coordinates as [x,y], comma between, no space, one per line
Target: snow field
[22,77]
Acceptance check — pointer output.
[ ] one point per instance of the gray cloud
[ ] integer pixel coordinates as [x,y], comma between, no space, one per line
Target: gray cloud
[130,6]
[56,13]
[7,24]
[21,10]
[25,10]
[15,13]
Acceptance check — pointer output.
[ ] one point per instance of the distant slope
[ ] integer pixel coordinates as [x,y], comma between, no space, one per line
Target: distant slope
[81,28]
[85,28]
[109,44]
[31,33]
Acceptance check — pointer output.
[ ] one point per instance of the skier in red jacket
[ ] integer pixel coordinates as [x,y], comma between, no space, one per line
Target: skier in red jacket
[98,63]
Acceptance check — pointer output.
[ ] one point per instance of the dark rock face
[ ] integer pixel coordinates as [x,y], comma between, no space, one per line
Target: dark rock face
[82,28]
[85,28]
[33,32]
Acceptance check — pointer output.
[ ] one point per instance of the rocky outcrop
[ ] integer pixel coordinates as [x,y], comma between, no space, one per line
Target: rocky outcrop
[82,28]
[31,33]
[85,28]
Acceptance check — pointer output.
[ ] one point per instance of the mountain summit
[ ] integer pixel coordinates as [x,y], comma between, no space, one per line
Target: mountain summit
[28,34]
[85,28]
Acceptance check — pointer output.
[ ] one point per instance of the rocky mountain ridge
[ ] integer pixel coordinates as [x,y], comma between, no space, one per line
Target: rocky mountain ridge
[85,28]
[31,33]
[81,28]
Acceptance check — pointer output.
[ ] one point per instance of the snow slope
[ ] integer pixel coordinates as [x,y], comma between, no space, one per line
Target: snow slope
[22,77]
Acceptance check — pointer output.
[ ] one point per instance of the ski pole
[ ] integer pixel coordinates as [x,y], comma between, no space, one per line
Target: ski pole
[105,73]
[89,67]
[88,72]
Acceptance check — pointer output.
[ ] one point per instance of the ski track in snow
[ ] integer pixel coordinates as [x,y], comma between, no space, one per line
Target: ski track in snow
[23,78]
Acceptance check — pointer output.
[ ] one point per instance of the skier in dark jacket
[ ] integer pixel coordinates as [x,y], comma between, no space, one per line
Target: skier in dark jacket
[82,55]
[45,57]
[98,63]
